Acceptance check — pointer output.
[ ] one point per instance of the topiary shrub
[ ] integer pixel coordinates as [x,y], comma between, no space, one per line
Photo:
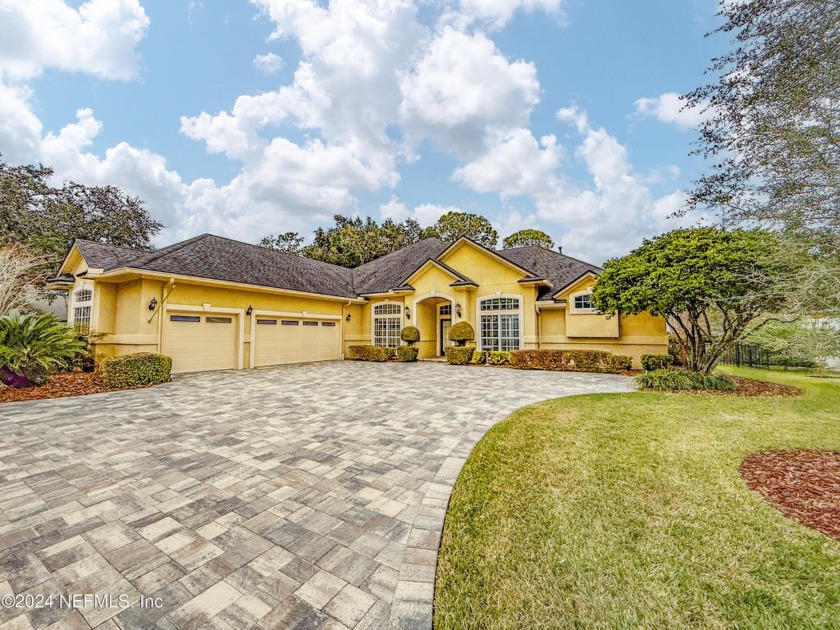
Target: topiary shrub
[479,357]
[407,354]
[461,333]
[680,380]
[370,353]
[570,361]
[458,355]
[496,357]
[410,335]
[134,370]
[652,362]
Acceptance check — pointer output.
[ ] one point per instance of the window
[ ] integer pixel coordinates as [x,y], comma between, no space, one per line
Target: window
[185,318]
[446,309]
[289,322]
[387,323]
[310,323]
[583,302]
[267,322]
[218,320]
[328,324]
[500,324]
[82,302]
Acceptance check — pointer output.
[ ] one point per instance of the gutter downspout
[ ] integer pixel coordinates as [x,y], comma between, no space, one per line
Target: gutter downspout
[539,325]
[171,285]
[343,321]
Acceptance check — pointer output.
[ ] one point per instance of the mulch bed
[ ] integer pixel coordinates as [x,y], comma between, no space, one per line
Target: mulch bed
[751,387]
[801,484]
[57,386]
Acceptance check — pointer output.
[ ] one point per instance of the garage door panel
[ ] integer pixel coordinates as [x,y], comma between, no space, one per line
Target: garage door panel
[199,342]
[283,340]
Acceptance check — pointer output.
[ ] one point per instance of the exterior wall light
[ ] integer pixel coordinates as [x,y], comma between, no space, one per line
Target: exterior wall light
[153,304]
[250,310]
[348,317]
[407,313]
[458,310]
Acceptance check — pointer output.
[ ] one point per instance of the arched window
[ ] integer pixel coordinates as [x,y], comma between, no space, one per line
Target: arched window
[387,324]
[501,323]
[82,303]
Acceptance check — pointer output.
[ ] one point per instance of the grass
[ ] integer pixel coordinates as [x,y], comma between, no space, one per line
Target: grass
[627,510]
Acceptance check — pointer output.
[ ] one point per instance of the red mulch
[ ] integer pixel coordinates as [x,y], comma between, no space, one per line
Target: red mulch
[58,385]
[751,387]
[801,484]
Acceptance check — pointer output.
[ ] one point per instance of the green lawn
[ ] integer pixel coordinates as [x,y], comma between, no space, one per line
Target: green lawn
[627,510]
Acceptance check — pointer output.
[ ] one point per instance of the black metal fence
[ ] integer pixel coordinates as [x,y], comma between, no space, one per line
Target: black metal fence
[747,354]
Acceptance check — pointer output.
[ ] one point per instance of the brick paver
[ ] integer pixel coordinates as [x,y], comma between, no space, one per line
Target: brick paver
[303,496]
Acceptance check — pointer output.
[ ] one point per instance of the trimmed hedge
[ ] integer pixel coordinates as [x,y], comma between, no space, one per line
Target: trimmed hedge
[410,335]
[133,370]
[461,333]
[495,357]
[407,354]
[680,380]
[652,362]
[370,353]
[570,361]
[458,355]
[479,357]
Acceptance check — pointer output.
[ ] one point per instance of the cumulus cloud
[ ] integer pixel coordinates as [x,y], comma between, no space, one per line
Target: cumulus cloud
[497,13]
[425,214]
[668,108]
[270,63]
[20,129]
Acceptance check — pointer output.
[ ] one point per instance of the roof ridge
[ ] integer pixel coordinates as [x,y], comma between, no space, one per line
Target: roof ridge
[276,252]
[100,243]
[165,251]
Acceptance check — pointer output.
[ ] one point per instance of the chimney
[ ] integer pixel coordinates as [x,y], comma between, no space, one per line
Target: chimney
[559,249]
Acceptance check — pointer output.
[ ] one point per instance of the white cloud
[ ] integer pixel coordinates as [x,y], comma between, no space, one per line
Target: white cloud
[497,13]
[462,90]
[270,63]
[99,37]
[20,129]
[425,214]
[669,108]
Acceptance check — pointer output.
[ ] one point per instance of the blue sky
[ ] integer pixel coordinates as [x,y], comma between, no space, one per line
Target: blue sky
[246,118]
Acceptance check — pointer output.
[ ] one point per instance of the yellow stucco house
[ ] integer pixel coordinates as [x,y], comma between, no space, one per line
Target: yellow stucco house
[213,303]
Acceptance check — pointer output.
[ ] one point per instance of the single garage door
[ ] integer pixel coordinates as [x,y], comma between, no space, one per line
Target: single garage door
[280,340]
[198,342]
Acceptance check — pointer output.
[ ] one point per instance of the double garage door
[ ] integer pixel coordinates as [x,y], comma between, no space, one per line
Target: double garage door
[200,341]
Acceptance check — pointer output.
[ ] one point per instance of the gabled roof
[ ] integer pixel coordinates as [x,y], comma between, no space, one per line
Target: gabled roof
[103,256]
[557,268]
[394,269]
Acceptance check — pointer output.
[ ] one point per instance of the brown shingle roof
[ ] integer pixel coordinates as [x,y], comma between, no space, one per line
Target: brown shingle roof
[554,266]
[393,269]
[103,256]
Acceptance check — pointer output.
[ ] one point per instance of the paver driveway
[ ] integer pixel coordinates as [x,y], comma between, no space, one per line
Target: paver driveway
[304,496]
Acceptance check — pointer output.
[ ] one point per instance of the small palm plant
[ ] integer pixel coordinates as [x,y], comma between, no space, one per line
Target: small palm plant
[33,345]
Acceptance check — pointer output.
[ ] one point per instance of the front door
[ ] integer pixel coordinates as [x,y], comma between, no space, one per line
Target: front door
[445,325]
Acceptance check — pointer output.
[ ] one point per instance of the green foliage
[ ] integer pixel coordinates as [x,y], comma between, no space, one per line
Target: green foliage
[708,282]
[46,218]
[570,361]
[461,333]
[290,242]
[524,238]
[495,357]
[135,370]
[680,380]
[652,362]
[801,343]
[37,339]
[453,225]
[407,354]
[370,353]
[479,357]
[410,335]
[458,355]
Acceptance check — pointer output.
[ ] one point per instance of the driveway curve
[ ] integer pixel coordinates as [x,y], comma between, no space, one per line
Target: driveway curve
[302,496]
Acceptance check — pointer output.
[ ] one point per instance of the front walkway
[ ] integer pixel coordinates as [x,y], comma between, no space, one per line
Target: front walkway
[303,496]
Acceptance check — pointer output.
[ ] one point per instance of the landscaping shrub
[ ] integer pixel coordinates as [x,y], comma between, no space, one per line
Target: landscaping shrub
[370,353]
[410,335]
[458,355]
[32,346]
[407,354]
[496,357]
[461,333]
[479,357]
[132,370]
[680,380]
[652,362]
[570,361]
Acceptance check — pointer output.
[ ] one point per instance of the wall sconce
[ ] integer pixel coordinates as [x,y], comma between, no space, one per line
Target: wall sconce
[348,317]
[407,313]
[153,304]
[458,310]
[250,310]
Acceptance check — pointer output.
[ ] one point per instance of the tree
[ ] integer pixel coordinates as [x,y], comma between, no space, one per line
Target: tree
[710,284]
[454,225]
[290,242]
[353,241]
[18,271]
[525,238]
[773,130]
[46,218]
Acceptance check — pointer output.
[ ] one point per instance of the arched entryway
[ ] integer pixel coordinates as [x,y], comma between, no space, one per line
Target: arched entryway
[434,314]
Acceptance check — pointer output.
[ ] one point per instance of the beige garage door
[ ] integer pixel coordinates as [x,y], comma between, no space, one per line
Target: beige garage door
[199,341]
[280,340]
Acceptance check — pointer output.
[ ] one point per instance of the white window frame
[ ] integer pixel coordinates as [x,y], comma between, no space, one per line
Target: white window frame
[81,310]
[391,341]
[481,312]
[574,310]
